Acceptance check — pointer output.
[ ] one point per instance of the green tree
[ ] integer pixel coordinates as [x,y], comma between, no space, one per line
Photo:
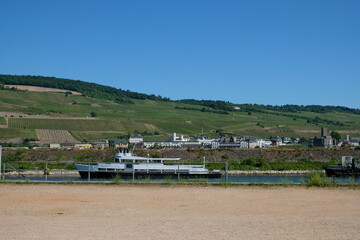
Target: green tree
[335,135]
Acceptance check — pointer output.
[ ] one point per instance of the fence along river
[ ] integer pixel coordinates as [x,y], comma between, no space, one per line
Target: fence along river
[43,173]
[227,177]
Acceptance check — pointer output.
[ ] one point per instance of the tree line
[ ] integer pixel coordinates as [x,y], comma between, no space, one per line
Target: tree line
[290,108]
[87,89]
[124,96]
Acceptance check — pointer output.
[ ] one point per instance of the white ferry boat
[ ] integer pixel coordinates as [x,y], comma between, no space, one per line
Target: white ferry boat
[127,165]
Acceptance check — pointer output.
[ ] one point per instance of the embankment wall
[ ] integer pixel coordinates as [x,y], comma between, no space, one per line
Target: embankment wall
[292,155]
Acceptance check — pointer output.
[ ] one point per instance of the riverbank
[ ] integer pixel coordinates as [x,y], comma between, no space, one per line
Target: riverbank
[275,173]
[54,172]
[45,211]
[211,155]
[60,172]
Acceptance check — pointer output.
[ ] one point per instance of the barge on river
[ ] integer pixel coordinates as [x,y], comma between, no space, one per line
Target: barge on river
[349,168]
[130,166]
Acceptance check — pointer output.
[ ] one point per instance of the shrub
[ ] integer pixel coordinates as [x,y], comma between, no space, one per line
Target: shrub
[317,180]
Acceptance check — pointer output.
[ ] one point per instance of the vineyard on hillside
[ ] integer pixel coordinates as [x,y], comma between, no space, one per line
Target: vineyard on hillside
[2,121]
[46,135]
[96,135]
[6,133]
[66,124]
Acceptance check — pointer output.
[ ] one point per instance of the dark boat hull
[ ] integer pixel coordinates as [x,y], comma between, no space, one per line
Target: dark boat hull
[342,172]
[154,175]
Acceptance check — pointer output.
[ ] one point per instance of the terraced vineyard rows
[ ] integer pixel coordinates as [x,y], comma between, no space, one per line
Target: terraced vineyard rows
[96,135]
[54,135]
[6,133]
[2,121]
[66,124]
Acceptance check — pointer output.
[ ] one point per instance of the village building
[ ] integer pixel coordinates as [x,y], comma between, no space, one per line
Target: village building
[100,144]
[118,143]
[55,145]
[324,141]
[175,138]
[286,140]
[82,146]
[267,142]
[136,138]
[277,141]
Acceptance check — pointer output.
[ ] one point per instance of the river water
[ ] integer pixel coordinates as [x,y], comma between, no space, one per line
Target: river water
[231,179]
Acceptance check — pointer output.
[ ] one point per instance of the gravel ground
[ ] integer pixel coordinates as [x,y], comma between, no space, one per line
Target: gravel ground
[55,211]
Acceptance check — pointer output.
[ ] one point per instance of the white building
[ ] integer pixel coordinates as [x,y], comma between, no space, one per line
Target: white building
[267,142]
[162,144]
[172,145]
[136,138]
[206,142]
[215,145]
[244,144]
[55,145]
[175,138]
[286,140]
[256,143]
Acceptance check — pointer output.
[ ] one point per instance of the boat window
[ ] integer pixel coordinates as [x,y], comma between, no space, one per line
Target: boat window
[129,165]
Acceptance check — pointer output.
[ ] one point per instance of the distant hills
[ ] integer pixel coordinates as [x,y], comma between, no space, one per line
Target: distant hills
[105,92]
[102,112]
[87,89]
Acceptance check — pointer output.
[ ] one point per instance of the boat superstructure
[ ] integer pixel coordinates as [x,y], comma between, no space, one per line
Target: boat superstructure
[349,168]
[128,165]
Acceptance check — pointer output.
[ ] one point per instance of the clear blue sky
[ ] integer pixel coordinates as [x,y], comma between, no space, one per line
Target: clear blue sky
[267,52]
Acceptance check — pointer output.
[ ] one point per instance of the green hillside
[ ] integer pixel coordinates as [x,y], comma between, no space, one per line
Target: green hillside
[157,117]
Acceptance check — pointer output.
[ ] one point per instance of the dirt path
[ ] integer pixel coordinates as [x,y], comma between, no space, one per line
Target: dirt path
[155,212]
[40,89]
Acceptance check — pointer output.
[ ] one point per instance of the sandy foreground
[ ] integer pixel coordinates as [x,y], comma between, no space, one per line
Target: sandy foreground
[49,211]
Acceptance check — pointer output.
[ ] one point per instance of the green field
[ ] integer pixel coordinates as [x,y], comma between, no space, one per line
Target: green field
[96,135]
[2,121]
[8,133]
[65,124]
[116,119]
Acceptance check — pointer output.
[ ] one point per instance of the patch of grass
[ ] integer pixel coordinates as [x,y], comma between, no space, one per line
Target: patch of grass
[6,133]
[168,179]
[117,179]
[317,180]
[263,164]
[2,121]
[285,182]
[303,164]
[226,184]
[194,180]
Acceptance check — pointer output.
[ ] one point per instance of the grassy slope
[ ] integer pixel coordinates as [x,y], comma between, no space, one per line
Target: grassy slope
[145,115]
